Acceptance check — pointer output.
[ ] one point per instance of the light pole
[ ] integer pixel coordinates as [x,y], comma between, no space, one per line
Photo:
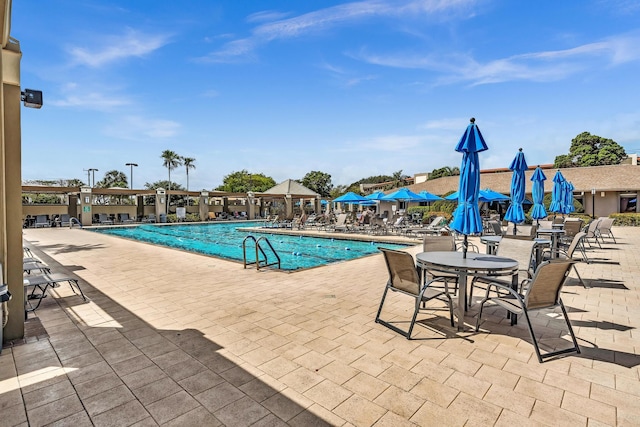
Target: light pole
[93,175]
[593,203]
[131,176]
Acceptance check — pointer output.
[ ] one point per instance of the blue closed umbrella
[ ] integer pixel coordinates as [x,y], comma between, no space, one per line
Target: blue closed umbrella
[350,197]
[557,196]
[466,218]
[537,190]
[404,195]
[568,198]
[515,213]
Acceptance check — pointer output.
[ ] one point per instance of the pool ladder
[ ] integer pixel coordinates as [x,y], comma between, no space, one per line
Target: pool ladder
[259,263]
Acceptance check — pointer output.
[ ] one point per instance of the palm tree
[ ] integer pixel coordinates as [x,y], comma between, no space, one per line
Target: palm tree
[189,163]
[171,161]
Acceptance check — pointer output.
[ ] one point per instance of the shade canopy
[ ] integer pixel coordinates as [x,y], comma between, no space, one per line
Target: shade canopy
[515,213]
[403,195]
[557,194]
[350,197]
[537,191]
[466,217]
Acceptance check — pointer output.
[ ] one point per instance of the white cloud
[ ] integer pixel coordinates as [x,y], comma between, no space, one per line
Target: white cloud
[89,100]
[552,65]
[324,19]
[142,128]
[116,48]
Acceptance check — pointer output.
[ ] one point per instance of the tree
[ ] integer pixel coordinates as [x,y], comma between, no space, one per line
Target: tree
[444,171]
[173,200]
[171,161]
[591,150]
[188,163]
[397,178]
[113,178]
[243,182]
[320,182]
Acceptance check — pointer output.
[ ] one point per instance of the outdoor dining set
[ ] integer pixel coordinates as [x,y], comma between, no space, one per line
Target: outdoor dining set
[518,272]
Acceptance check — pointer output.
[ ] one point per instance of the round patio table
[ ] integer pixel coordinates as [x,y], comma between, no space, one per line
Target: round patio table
[473,265]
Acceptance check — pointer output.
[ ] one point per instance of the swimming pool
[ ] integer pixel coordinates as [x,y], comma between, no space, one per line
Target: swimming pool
[225,241]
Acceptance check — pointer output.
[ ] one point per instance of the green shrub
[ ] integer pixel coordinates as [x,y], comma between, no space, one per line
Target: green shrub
[626,219]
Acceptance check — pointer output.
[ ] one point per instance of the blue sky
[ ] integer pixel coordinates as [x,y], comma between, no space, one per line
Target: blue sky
[353,89]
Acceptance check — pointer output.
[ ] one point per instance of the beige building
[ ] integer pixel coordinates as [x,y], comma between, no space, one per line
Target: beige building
[602,190]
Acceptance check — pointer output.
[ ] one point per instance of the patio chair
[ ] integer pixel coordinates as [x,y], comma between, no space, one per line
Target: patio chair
[592,233]
[576,243]
[540,293]
[440,243]
[571,228]
[545,224]
[65,220]
[522,250]
[125,219]
[41,283]
[605,229]
[42,221]
[497,228]
[404,278]
[104,219]
[340,224]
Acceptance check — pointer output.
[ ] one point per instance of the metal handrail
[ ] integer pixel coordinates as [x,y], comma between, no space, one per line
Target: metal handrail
[258,247]
[259,262]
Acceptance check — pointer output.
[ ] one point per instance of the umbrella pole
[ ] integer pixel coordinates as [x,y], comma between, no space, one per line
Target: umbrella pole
[515,228]
[464,247]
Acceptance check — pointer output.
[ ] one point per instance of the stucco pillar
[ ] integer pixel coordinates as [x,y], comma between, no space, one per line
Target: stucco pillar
[86,214]
[161,203]
[288,206]
[10,177]
[203,206]
[251,209]
[72,209]
[139,208]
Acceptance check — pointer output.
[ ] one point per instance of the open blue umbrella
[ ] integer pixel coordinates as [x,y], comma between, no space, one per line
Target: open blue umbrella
[375,196]
[429,197]
[350,197]
[515,213]
[557,196]
[403,195]
[486,195]
[466,218]
[537,191]
[568,198]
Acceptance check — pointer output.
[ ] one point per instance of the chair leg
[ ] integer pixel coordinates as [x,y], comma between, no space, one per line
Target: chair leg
[77,285]
[573,336]
[384,295]
[533,336]
[580,278]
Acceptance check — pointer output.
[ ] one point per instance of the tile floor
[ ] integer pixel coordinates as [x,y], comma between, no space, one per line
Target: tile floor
[177,339]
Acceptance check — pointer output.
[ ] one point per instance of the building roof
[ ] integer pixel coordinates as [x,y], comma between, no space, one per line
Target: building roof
[623,177]
[291,187]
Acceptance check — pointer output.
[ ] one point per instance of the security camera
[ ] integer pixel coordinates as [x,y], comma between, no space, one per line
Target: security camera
[32,98]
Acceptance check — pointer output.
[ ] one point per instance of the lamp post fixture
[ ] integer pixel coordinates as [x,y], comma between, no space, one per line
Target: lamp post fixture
[93,175]
[131,176]
[593,203]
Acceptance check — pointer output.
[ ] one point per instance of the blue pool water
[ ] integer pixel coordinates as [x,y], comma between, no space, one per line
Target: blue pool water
[225,241]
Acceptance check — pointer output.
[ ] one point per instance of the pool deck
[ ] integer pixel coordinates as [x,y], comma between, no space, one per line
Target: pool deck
[180,339]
